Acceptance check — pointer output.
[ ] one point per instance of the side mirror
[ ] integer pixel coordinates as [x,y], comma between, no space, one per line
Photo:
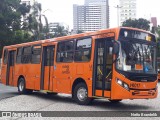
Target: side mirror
[115,48]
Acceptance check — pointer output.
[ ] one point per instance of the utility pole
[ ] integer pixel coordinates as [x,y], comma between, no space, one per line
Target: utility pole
[118,7]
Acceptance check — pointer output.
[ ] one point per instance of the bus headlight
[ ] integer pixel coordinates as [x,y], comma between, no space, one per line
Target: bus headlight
[119,82]
[126,86]
[123,84]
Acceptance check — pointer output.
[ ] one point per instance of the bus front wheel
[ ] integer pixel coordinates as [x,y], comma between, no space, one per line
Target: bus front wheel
[81,94]
[22,87]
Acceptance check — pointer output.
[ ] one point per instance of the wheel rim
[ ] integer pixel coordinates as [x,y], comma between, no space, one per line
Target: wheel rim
[21,86]
[82,94]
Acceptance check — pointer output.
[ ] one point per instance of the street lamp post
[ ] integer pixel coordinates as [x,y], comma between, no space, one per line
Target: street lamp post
[118,7]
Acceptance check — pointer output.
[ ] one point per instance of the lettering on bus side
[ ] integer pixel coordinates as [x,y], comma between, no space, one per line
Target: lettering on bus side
[134,85]
[65,69]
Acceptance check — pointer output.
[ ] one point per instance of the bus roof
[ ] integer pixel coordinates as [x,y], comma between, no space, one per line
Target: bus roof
[73,36]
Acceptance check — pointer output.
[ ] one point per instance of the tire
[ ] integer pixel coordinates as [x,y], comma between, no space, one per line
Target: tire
[81,94]
[115,101]
[22,87]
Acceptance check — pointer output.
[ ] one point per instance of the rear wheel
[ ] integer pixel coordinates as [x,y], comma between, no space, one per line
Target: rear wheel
[22,87]
[81,94]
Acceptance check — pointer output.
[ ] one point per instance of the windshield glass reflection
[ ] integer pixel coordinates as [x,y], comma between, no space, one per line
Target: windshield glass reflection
[137,57]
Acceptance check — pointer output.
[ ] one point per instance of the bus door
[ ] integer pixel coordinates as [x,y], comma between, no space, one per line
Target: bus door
[47,67]
[4,67]
[10,68]
[103,67]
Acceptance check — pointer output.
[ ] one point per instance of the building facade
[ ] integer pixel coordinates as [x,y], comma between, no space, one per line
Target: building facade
[52,26]
[128,10]
[154,21]
[91,16]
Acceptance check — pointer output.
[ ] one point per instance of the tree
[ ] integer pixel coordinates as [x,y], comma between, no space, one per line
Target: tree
[60,31]
[157,32]
[35,22]
[137,23]
[11,12]
[153,30]
[157,29]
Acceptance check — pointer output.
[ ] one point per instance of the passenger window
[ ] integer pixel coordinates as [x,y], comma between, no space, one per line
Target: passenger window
[36,54]
[83,50]
[26,55]
[27,50]
[84,43]
[19,55]
[65,51]
[5,56]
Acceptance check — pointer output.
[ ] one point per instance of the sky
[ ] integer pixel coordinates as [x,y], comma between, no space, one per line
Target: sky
[62,10]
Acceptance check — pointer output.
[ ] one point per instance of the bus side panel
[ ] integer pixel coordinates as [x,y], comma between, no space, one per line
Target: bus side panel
[24,70]
[35,72]
[63,75]
[83,71]
[4,69]
[18,73]
[29,76]
[3,74]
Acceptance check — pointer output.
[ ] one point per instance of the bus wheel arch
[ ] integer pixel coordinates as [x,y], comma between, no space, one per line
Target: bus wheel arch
[21,84]
[21,76]
[80,92]
[76,82]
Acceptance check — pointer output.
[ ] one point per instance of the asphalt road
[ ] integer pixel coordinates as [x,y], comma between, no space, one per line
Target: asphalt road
[7,91]
[61,102]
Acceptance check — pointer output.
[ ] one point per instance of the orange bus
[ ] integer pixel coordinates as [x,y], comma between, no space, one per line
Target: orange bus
[116,63]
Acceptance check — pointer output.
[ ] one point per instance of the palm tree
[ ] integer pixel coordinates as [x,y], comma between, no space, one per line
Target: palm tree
[35,22]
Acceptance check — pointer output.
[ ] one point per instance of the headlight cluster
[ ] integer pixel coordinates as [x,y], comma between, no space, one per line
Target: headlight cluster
[123,84]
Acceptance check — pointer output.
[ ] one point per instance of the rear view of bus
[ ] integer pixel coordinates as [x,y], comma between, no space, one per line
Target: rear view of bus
[135,71]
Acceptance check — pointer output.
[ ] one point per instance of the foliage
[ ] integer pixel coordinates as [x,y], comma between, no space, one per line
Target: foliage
[153,30]
[11,27]
[19,25]
[34,22]
[158,32]
[60,31]
[137,23]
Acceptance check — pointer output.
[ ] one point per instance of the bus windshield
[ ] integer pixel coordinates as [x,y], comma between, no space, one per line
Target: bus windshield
[137,56]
